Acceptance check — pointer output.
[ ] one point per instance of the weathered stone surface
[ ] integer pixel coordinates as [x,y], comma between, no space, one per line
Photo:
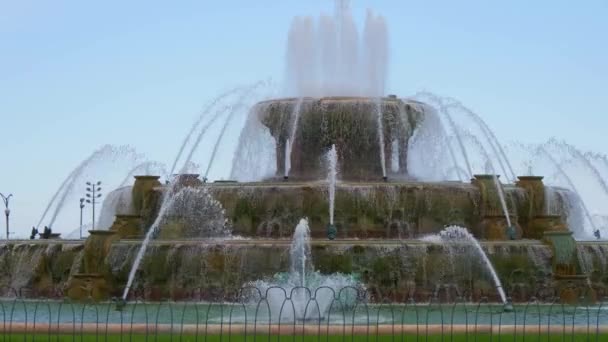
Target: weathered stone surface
[394,269]
[39,268]
[349,122]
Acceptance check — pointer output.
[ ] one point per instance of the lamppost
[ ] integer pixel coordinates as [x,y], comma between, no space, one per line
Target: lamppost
[93,194]
[7,211]
[81,207]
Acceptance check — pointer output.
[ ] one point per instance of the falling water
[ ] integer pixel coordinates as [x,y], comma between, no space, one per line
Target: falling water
[497,149]
[231,109]
[287,165]
[585,160]
[144,245]
[442,108]
[67,187]
[380,127]
[116,202]
[299,253]
[542,150]
[492,171]
[550,199]
[145,168]
[327,56]
[602,159]
[332,176]
[585,259]
[430,139]
[203,114]
[197,206]
[59,190]
[501,196]
[456,234]
[292,134]
[233,112]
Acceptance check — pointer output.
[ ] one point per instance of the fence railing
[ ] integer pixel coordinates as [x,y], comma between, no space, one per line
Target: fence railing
[303,312]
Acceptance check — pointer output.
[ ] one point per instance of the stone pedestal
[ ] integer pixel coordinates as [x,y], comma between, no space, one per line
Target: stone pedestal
[493,224]
[565,262]
[96,248]
[489,198]
[538,225]
[94,280]
[571,283]
[141,188]
[532,205]
[535,188]
[145,199]
[128,226]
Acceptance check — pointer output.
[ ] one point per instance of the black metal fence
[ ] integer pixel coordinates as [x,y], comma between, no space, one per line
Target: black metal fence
[304,313]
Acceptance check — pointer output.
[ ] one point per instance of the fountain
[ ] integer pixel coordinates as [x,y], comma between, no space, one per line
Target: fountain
[407,169]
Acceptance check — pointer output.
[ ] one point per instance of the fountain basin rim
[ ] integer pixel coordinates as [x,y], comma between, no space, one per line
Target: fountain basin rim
[547,216]
[592,242]
[320,242]
[530,178]
[128,216]
[88,275]
[485,176]
[497,216]
[558,232]
[343,184]
[42,241]
[344,98]
[570,277]
[145,177]
[102,232]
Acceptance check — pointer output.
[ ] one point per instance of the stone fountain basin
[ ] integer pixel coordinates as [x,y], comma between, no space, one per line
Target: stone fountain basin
[397,268]
[350,122]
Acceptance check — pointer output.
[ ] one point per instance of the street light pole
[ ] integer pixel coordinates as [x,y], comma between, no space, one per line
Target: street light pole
[81,207]
[7,211]
[93,193]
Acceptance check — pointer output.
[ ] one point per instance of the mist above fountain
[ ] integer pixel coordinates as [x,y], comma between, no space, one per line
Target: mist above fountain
[329,56]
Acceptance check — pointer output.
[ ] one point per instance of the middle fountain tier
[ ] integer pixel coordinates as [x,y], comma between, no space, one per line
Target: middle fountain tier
[367,132]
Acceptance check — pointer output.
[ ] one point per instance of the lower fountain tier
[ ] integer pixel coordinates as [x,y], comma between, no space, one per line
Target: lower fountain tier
[212,270]
[368,210]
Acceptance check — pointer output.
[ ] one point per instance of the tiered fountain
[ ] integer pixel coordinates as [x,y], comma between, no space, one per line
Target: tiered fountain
[366,224]
[379,219]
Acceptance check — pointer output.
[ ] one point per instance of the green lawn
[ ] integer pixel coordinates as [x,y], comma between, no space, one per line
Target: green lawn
[323,338]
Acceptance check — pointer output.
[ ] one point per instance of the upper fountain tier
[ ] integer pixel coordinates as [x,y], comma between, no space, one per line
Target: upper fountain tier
[351,123]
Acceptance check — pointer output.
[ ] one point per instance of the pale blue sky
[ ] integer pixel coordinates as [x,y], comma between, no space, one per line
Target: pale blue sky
[78,74]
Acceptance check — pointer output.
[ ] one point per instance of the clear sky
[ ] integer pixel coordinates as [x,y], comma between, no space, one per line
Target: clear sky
[75,75]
